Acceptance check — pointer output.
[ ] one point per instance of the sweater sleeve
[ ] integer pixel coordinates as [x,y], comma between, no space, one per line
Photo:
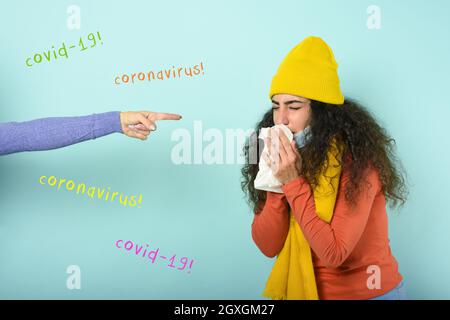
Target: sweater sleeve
[271,225]
[333,242]
[56,132]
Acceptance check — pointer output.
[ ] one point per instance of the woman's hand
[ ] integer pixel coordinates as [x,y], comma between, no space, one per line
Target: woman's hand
[283,157]
[139,124]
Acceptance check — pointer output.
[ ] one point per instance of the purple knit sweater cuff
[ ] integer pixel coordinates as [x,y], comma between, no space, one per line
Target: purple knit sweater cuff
[106,123]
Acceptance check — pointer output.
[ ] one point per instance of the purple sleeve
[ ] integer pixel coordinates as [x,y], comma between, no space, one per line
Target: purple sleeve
[56,132]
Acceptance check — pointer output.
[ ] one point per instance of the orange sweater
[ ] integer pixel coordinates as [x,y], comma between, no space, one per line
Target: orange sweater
[343,250]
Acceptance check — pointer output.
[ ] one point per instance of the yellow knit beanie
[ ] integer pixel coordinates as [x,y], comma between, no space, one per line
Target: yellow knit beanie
[309,70]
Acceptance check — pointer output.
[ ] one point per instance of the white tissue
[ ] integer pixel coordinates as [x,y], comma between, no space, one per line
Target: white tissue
[265,180]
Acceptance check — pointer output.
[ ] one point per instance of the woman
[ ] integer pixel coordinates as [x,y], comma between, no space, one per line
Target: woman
[350,253]
[58,132]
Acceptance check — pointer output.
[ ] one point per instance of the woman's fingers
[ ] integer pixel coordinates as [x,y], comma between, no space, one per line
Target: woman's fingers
[148,123]
[134,132]
[295,149]
[143,132]
[153,125]
[280,151]
[273,146]
[138,127]
[156,116]
[147,119]
[139,124]
[283,143]
[138,134]
[165,116]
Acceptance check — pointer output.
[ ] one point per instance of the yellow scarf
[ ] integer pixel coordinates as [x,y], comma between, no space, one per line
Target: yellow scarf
[292,276]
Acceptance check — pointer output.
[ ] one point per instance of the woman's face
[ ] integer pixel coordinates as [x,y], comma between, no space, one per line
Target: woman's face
[292,111]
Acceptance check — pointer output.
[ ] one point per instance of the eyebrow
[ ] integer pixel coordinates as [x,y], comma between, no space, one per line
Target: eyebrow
[288,102]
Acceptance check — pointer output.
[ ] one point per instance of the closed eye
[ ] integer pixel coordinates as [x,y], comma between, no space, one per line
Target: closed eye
[295,104]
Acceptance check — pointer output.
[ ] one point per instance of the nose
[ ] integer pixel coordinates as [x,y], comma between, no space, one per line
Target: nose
[284,116]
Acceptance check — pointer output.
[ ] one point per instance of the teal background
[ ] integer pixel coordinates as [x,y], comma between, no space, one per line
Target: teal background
[400,72]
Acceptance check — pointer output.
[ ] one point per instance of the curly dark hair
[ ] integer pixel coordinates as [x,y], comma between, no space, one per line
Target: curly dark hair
[358,136]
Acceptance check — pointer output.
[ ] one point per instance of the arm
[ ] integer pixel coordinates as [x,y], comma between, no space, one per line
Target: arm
[56,132]
[270,227]
[52,133]
[333,242]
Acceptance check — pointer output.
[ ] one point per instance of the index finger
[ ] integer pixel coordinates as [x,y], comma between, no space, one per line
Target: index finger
[165,116]
[284,141]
